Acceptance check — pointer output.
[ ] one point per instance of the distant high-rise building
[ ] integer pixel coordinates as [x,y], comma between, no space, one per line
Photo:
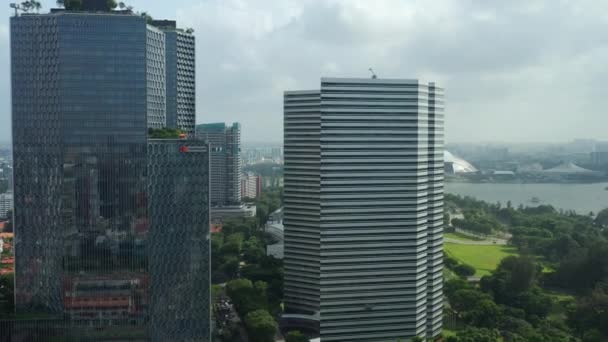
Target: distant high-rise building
[6,204]
[277,154]
[178,178]
[363,208]
[225,145]
[6,174]
[86,86]
[180,75]
[251,186]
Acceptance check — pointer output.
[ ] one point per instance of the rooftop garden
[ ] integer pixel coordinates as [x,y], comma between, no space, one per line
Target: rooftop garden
[110,6]
[90,5]
[164,133]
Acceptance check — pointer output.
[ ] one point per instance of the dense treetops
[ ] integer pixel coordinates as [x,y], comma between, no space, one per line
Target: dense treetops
[88,5]
[295,336]
[261,326]
[561,253]
[254,281]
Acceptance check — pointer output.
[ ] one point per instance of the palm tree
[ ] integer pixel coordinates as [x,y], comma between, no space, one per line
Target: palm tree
[26,6]
[147,17]
[29,5]
[37,6]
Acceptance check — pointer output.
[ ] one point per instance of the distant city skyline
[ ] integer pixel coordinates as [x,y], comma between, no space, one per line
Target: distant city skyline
[538,82]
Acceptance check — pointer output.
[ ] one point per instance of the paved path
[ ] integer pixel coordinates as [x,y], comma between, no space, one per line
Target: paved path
[495,242]
[502,236]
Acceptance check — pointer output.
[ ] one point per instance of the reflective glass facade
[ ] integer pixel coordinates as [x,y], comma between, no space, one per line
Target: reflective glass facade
[79,123]
[179,240]
[85,89]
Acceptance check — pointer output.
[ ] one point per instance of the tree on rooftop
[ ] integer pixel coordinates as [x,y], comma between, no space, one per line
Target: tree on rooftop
[148,17]
[29,5]
[70,5]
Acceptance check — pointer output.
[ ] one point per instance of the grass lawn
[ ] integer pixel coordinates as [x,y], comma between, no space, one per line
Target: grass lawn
[460,236]
[448,333]
[483,258]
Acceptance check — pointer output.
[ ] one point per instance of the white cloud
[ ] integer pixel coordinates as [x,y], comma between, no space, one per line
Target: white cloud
[513,70]
[505,64]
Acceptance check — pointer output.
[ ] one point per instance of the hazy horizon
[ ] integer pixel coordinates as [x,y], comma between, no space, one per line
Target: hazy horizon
[513,71]
[247,143]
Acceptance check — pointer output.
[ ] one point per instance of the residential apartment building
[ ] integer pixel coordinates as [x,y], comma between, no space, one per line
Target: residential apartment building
[363,208]
[251,186]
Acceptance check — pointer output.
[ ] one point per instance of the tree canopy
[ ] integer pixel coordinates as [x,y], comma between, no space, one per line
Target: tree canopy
[261,326]
[295,336]
[523,300]
[602,218]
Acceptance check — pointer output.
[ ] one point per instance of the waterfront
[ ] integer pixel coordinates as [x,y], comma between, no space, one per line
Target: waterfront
[582,198]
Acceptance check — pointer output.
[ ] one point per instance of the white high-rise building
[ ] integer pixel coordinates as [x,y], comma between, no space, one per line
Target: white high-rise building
[6,204]
[363,209]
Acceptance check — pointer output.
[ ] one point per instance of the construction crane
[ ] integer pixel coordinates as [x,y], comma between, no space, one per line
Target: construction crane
[373,73]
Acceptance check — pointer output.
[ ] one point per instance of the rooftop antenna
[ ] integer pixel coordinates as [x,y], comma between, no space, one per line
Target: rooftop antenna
[373,73]
[16,7]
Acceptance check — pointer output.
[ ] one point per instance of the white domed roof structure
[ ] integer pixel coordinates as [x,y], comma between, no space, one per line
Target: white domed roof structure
[569,168]
[457,165]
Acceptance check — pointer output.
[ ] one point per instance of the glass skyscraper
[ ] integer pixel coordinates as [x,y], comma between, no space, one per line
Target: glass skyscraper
[85,89]
[178,178]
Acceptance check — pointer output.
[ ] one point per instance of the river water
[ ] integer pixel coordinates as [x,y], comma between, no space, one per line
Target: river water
[582,198]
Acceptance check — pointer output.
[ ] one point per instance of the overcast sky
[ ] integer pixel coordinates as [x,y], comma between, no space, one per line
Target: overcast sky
[517,70]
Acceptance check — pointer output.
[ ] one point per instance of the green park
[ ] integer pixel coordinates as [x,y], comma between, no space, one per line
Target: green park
[524,274]
[484,258]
